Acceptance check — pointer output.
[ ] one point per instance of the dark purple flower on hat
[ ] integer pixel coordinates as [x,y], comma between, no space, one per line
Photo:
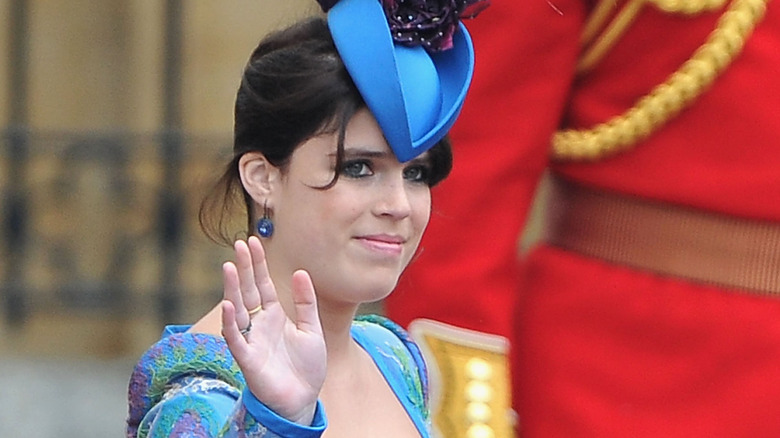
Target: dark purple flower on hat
[326,4]
[430,23]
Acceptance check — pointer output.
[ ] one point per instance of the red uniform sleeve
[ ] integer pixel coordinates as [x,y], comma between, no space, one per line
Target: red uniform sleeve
[466,272]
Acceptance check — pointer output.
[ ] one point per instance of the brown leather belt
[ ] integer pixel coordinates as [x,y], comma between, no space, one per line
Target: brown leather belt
[665,239]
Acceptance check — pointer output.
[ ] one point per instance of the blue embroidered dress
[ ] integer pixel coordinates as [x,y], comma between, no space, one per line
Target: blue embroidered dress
[188,384]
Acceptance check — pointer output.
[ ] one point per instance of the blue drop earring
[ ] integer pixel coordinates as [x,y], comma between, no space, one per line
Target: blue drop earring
[265,228]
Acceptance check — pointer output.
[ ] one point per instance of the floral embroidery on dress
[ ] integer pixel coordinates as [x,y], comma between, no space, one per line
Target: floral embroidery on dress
[165,367]
[185,417]
[409,359]
[244,425]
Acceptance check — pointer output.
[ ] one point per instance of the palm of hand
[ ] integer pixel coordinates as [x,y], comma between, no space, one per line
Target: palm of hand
[283,364]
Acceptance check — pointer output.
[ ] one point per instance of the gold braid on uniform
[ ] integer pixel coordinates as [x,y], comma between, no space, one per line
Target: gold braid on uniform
[667,99]
[688,7]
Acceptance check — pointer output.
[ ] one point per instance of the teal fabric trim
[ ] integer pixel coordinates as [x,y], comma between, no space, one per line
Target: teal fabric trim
[399,359]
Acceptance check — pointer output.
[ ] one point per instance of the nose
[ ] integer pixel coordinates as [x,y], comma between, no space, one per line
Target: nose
[393,199]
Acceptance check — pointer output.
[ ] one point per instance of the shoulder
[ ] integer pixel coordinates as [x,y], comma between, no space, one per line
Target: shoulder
[180,362]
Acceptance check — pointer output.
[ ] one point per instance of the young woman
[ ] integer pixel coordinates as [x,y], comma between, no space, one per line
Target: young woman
[334,158]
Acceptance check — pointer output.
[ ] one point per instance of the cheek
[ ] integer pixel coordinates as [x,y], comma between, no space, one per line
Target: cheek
[421,212]
[325,214]
[301,215]
[345,204]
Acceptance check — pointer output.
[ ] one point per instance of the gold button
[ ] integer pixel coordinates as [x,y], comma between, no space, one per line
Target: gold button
[478,412]
[478,392]
[480,430]
[479,369]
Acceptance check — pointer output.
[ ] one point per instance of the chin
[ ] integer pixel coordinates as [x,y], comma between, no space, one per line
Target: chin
[376,291]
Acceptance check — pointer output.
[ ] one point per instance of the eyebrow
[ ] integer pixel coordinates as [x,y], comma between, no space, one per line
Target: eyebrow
[361,152]
[357,152]
[351,153]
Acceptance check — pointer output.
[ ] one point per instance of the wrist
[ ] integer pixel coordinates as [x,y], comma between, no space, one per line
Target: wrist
[284,426]
[306,415]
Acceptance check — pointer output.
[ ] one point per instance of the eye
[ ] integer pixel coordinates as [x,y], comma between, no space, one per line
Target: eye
[356,169]
[417,173]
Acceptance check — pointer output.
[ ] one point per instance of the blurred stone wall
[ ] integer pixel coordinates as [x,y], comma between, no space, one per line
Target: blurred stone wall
[97,64]
[93,171]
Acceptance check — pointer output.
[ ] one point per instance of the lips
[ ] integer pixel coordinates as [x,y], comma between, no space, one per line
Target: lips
[383,243]
[385,238]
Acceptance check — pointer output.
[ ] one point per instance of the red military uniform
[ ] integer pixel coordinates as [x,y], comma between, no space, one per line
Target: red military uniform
[600,348]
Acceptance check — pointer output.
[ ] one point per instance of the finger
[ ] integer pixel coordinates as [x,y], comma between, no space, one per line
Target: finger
[232,333]
[306,315]
[246,280]
[232,293]
[265,286]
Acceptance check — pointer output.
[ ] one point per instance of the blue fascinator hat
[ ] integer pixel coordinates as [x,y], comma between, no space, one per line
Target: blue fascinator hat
[412,62]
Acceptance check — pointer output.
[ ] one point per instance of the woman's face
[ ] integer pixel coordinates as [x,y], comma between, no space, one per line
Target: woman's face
[356,237]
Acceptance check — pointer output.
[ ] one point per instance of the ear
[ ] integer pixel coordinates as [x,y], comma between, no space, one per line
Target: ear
[258,176]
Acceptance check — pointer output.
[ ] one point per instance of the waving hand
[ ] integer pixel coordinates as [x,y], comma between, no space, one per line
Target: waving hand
[282,359]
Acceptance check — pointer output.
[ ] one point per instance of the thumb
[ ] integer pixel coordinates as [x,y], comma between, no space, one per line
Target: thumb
[306,315]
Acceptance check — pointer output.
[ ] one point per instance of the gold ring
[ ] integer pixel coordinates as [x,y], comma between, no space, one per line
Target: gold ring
[256,309]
